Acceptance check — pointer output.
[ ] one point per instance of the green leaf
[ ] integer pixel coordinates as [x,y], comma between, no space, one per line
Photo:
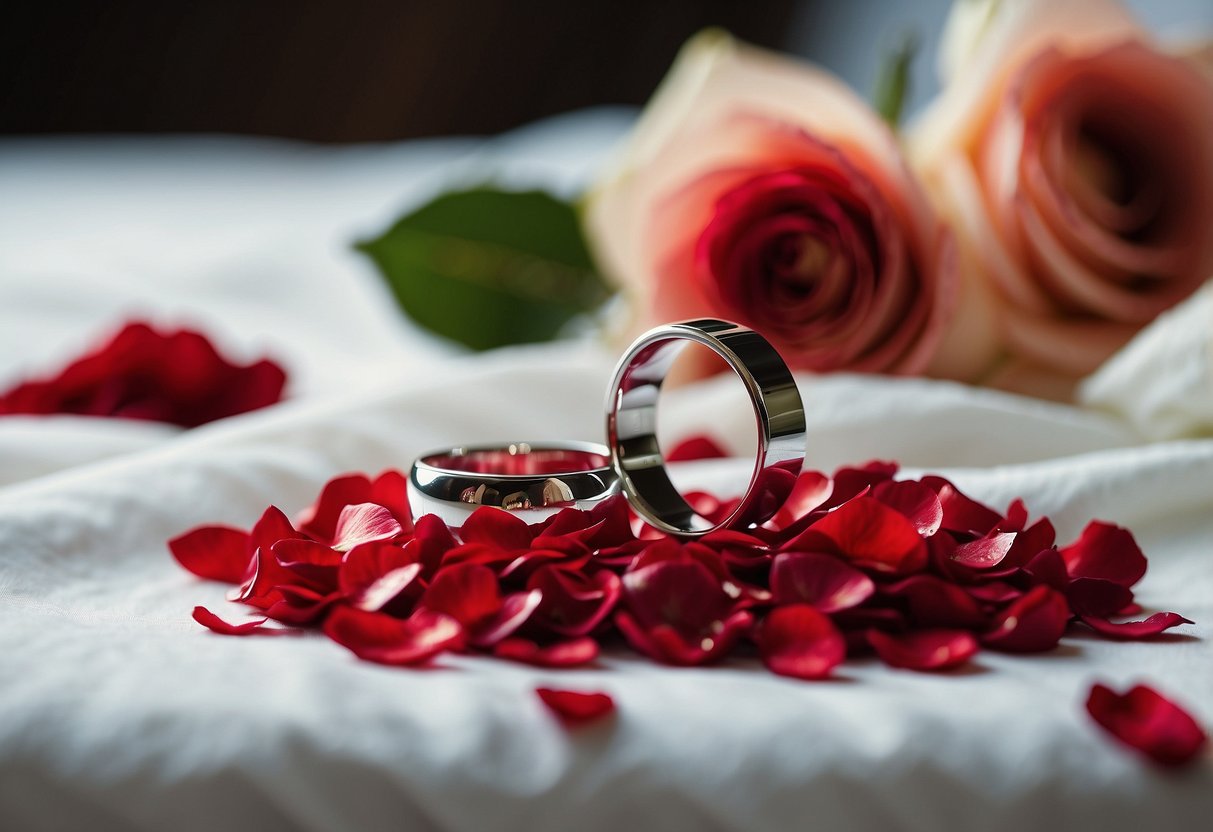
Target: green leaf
[488,268]
[893,80]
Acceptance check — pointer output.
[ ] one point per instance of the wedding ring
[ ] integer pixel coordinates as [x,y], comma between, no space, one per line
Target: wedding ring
[631,416]
[533,478]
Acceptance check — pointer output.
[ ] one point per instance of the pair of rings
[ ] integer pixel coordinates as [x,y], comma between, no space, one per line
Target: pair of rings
[541,478]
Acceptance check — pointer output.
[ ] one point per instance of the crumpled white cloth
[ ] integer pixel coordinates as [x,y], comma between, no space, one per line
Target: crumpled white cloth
[118,712]
[1162,382]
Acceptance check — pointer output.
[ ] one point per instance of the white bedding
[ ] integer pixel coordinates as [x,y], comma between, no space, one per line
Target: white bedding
[118,712]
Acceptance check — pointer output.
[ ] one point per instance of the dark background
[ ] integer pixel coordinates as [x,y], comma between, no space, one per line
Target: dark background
[342,71]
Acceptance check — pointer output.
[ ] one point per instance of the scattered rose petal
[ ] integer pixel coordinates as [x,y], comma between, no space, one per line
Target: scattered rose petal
[515,609]
[494,527]
[923,649]
[800,642]
[144,373]
[217,625]
[1105,551]
[696,447]
[1147,721]
[822,581]
[573,603]
[467,592]
[571,653]
[1048,568]
[1097,597]
[1031,624]
[319,521]
[869,533]
[217,553]
[1128,630]
[577,707]
[919,503]
[382,591]
[364,523]
[962,513]
[380,638]
[984,552]
[933,602]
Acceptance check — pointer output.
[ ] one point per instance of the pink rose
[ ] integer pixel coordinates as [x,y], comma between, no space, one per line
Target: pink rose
[1074,157]
[760,190]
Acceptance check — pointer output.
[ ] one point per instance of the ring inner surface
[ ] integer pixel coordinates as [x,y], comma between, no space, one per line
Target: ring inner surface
[519,460]
[636,436]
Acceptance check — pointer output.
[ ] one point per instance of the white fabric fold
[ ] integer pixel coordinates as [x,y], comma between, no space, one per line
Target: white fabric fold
[1161,382]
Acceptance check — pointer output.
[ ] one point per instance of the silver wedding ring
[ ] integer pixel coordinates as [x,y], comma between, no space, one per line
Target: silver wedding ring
[536,478]
[631,423]
[543,478]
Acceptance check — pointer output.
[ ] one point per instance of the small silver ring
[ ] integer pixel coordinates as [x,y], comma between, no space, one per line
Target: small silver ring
[631,417]
[534,479]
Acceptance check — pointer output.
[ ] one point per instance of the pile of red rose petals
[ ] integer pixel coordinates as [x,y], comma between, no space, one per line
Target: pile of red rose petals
[143,373]
[912,571]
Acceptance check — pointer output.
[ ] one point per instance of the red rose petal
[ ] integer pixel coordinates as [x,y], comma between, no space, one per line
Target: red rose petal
[994,592]
[918,502]
[574,603]
[432,539]
[812,488]
[985,552]
[570,653]
[290,552]
[577,706]
[142,373]
[666,644]
[848,483]
[320,520]
[1128,630]
[822,581]
[217,625]
[696,447]
[1147,721]
[494,527]
[363,565]
[1105,551]
[381,638]
[300,607]
[800,642]
[962,513]
[364,523]
[1048,568]
[1096,597]
[1016,517]
[390,490]
[385,589]
[1031,624]
[217,553]
[467,592]
[933,602]
[923,649]
[868,532]
[516,608]
[272,527]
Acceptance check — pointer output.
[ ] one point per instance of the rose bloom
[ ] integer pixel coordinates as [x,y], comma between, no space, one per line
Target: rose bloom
[1074,157]
[763,191]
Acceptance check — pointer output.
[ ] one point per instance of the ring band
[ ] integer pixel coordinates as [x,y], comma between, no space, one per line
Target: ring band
[631,414]
[538,479]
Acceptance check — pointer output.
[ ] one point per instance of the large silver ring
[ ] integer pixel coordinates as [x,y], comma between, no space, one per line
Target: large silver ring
[537,479]
[631,419]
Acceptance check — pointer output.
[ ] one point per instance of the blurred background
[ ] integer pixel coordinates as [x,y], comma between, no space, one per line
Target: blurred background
[368,70]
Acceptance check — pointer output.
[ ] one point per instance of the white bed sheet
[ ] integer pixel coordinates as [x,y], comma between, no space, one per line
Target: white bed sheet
[118,712]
